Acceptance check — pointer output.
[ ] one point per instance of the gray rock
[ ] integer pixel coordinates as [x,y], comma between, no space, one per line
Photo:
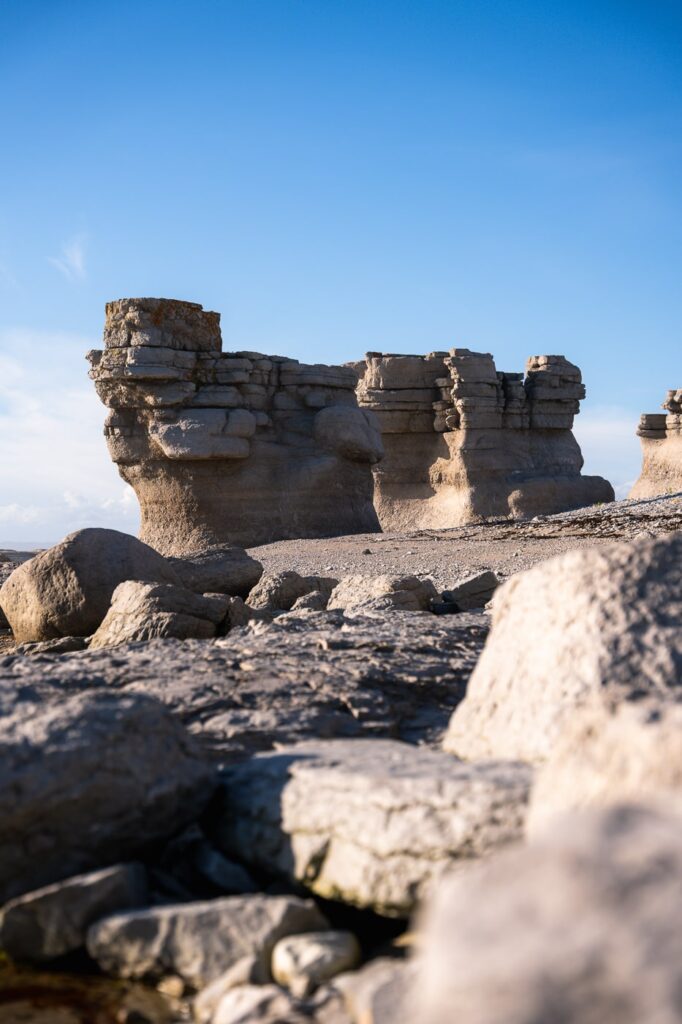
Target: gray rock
[604,755]
[303,677]
[301,963]
[218,570]
[89,780]
[145,611]
[280,591]
[266,1004]
[247,971]
[402,593]
[370,823]
[196,864]
[66,590]
[582,928]
[376,994]
[473,591]
[199,941]
[60,645]
[315,601]
[52,921]
[591,621]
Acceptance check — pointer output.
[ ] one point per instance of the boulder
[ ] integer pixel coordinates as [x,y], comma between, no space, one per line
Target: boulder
[473,591]
[402,593]
[604,755]
[247,971]
[199,941]
[90,780]
[592,621]
[301,963]
[66,590]
[376,994]
[145,611]
[267,1004]
[218,570]
[367,822]
[279,591]
[581,927]
[52,921]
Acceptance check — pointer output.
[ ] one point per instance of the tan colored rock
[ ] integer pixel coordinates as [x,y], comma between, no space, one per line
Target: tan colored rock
[66,590]
[464,442]
[592,621]
[402,593]
[227,448]
[377,993]
[218,571]
[280,591]
[661,439]
[606,755]
[301,963]
[581,927]
[145,611]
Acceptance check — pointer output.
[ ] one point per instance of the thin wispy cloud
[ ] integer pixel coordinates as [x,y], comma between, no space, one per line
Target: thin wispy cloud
[71,262]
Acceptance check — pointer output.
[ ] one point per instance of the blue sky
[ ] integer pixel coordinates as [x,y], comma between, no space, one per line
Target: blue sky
[333,177]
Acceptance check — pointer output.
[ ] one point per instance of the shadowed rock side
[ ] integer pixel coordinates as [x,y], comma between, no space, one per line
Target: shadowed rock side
[464,442]
[661,437]
[237,447]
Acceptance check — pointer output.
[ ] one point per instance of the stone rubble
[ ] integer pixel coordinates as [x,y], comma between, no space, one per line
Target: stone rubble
[301,963]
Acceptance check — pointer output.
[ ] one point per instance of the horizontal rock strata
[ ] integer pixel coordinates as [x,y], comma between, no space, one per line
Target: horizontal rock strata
[465,442]
[661,439]
[368,822]
[229,447]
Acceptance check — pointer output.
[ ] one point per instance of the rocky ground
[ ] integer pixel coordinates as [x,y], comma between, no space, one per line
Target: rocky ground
[314,807]
[505,546]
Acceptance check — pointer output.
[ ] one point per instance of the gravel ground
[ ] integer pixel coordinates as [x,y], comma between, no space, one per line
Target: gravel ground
[505,546]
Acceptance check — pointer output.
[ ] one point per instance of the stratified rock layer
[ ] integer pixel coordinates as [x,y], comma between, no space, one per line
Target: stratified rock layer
[661,437]
[464,442]
[225,448]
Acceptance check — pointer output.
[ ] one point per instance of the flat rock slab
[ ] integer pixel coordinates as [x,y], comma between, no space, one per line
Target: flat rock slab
[370,823]
[199,941]
[305,676]
[89,779]
[52,921]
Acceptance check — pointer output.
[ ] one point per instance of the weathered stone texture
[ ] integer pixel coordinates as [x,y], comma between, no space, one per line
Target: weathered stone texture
[229,447]
[465,442]
[581,927]
[661,437]
[593,622]
[368,822]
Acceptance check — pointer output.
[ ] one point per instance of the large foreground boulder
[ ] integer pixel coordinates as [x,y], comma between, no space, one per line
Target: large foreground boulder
[581,928]
[368,822]
[609,754]
[145,611]
[66,590]
[199,941]
[594,621]
[90,780]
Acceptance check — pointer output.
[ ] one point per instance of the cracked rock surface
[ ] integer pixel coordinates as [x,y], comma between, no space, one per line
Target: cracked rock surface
[368,822]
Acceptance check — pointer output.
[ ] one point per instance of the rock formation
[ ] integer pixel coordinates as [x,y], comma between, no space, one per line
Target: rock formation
[661,435]
[464,442]
[229,447]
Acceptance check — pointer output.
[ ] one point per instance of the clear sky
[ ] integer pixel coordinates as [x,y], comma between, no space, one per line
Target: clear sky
[333,176]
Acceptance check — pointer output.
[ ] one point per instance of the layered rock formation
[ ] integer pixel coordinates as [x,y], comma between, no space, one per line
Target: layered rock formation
[465,442]
[661,436]
[234,447]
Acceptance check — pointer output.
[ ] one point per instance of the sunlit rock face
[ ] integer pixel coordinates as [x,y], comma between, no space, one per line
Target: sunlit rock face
[661,437]
[464,442]
[229,447]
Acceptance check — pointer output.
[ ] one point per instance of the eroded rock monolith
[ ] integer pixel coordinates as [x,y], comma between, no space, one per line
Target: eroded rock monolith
[464,442]
[229,447]
[661,438]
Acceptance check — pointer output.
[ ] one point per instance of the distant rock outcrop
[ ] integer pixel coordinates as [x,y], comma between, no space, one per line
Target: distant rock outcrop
[464,442]
[229,448]
[661,435]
